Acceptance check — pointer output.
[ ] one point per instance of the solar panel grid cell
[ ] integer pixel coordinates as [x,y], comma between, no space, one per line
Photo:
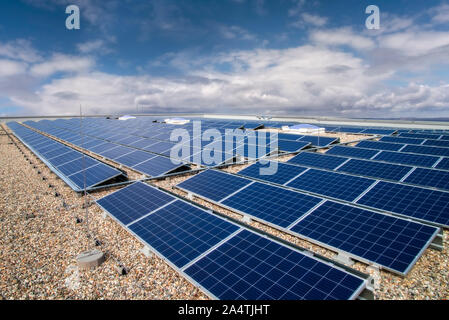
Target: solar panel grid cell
[379,145]
[420,203]
[317,160]
[352,152]
[385,240]
[181,232]
[375,169]
[213,184]
[331,184]
[250,267]
[270,203]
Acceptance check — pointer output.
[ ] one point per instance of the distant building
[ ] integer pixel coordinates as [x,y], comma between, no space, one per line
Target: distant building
[126,117]
[176,121]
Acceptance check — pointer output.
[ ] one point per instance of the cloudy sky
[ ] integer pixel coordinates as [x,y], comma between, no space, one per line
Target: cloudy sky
[302,57]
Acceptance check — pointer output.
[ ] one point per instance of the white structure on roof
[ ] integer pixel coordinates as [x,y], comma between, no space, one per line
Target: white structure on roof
[303,128]
[176,121]
[126,117]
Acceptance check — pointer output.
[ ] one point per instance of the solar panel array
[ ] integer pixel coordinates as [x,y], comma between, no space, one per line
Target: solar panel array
[67,163]
[113,140]
[226,260]
[296,212]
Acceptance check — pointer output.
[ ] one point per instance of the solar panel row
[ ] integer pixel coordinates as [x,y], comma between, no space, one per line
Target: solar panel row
[226,260]
[298,213]
[68,164]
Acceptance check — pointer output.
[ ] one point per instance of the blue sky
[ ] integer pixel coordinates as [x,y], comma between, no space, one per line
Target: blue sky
[236,56]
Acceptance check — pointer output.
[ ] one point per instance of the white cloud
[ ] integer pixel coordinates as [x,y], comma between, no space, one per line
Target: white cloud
[440,14]
[95,46]
[10,68]
[236,32]
[62,63]
[342,36]
[19,49]
[310,20]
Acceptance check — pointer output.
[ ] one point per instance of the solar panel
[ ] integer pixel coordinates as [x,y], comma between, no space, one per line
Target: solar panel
[319,141]
[251,267]
[76,165]
[437,143]
[318,160]
[157,166]
[134,201]
[384,132]
[102,147]
[427,150]
[401,140]
[331,184]
[443,164]
[430,178]
[135,157]
[160,148]
[352,152]
[214,185]
[406,158]
[276,172]
[116,152]
[387,241]
[292,146]
[419,203]
[375,169]
[181,231]
[379,145]
[95,175]
[421,136]
[273,204]
[67,160]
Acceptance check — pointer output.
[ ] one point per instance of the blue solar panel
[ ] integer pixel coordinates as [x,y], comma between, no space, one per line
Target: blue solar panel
[388,241]
[375,169]
[275,172]
[67,157]
[401,140]
[443,164]
[419,203]
[318,160]
[384,132]
[160,148]
[437,143]
[331,184]
[352,152]
[94,175]
[76,165]
[430,178]
[379,145]
[420,136]
[214,185]
[273,204]
[181,231]
[157,166]
[102,147]
[135,157]
[406,158]
[291,146]
[436,151]
[251,267]
[67,160]
[116,152]
[319,141]
[134,201]
[143,143]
